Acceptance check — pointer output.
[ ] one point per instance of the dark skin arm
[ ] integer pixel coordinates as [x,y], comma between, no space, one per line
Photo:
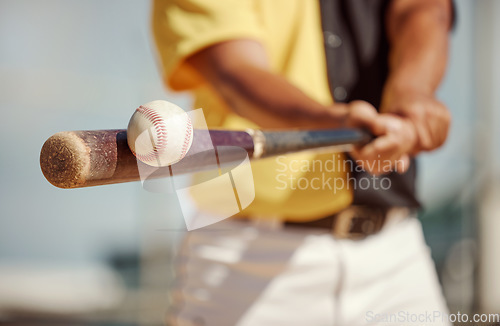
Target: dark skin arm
[418,35]
[239,72]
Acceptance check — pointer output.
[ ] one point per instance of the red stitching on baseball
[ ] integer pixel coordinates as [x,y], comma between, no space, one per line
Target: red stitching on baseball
[187,138]
[161,132]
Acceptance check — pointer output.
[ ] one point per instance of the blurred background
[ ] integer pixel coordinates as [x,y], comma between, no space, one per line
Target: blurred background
[103,255]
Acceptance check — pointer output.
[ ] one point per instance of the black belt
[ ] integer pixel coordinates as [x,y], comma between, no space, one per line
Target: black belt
[354,222]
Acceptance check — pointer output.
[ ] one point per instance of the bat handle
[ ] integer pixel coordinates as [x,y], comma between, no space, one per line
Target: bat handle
[276,142]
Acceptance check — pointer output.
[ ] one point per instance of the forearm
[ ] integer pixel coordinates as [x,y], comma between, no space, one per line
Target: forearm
[244,82]
[418,36]
[256,92]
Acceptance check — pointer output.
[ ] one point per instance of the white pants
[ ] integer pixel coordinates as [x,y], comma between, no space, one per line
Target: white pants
[236,274]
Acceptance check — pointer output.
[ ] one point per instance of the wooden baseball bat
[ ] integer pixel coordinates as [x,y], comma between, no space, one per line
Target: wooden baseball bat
[75,159]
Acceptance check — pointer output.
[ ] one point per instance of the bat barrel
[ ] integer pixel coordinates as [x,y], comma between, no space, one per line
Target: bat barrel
[74,159]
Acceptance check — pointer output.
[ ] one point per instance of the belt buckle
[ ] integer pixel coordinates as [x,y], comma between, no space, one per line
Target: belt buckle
[357,222]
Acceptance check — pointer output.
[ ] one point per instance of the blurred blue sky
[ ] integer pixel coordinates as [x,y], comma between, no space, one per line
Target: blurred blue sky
[69,65]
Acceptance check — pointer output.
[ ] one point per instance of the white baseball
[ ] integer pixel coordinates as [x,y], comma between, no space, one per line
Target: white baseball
[159,133]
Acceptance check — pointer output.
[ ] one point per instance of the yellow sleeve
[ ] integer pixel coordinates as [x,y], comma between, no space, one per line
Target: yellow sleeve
[184,27]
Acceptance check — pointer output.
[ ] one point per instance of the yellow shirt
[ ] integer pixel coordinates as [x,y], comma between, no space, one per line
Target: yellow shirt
[290,31]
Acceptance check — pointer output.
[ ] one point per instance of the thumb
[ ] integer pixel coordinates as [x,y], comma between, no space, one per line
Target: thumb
[364,115]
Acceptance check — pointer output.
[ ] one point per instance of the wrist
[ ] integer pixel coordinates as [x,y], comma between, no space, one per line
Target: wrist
[338,113]
[403,85]
[399,98]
